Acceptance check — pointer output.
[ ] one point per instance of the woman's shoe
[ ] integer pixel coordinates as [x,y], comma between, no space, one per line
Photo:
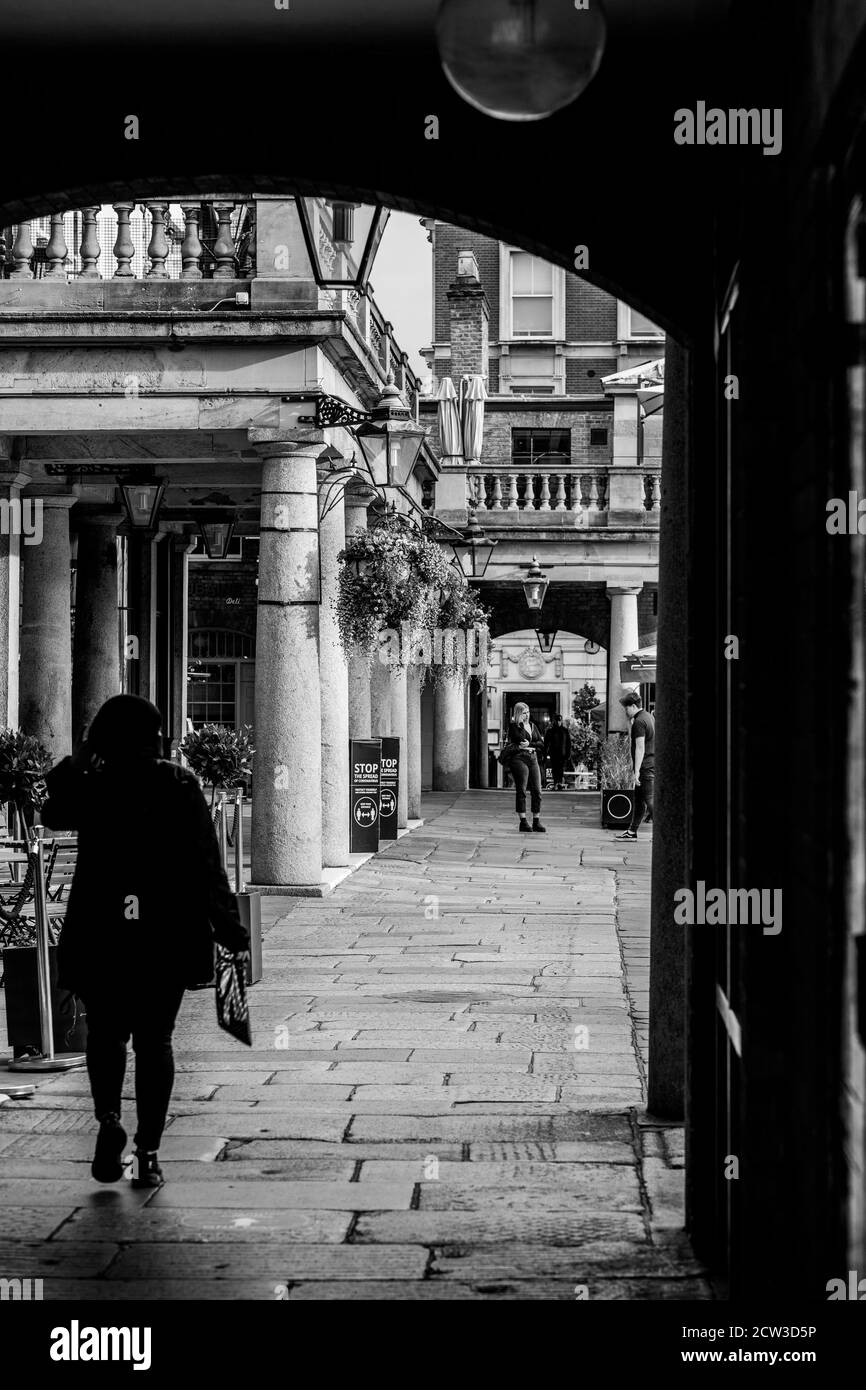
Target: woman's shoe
[542,829]
[110,1143]
[523,825]
[146,1171]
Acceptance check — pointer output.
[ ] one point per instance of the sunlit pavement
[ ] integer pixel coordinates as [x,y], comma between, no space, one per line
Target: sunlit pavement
[444,1099]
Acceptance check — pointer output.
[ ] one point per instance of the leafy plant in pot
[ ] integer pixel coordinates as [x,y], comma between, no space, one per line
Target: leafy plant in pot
[24,762]
[222,759]
[616,772]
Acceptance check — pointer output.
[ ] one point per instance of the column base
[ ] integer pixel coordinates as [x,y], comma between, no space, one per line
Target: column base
[290,890]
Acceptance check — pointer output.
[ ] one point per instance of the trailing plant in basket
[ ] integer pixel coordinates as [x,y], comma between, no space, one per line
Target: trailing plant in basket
[219,756]
[390,575]
[24,762]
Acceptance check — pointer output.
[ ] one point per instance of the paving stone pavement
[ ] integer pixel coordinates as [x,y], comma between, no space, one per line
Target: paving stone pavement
[444,1100]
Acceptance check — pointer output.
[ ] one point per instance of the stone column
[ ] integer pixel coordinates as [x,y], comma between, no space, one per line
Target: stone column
[381,708]
[449,736]
[140,656]
[479,695]
[623,640]
[96,645]
[45,698]
[413,742]
[334,685]
[399,728]
[182,544]
[670,857]
[357,498]
[11,482]
[287,802]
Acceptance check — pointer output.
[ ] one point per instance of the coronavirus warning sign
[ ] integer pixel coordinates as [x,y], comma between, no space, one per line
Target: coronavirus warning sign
[365,765]
[388,788]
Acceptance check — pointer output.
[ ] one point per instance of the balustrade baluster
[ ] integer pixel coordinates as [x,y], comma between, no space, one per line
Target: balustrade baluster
[124,246]
[90,247]
[574,493]
[157,247]
[560,492]
[22,251]
[593,493]
[496,505]
[544,495]
[191,247]
[513,505]
[56,252]
[655,493]
[224,247]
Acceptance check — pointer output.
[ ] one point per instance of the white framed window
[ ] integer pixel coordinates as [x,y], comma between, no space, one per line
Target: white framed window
[532,371]
[531,298]
[631,323]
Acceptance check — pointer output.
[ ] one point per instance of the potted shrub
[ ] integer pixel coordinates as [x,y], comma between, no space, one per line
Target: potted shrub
[23,765]
[586,744]
[222,759]
[617,782]
[24,762]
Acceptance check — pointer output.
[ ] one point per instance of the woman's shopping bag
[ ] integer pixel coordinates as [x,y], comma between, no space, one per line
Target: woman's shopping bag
[233,1010]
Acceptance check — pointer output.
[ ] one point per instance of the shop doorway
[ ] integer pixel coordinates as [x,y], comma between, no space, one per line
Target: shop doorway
[543,705]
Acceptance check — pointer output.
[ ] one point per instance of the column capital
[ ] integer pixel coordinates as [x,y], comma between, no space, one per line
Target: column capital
[359,493]
[10,478]
[57,500]
[614,587]
[327,473]
[97,515]
[273,442]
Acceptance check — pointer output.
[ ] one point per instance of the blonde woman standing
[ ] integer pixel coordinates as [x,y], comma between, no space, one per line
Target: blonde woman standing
[527,742]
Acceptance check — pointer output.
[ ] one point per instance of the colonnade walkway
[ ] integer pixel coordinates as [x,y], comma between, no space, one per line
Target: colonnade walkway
[420,1115]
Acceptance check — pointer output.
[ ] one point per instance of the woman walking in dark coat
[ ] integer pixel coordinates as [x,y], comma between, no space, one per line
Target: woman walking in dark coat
[523,766]
[148,899]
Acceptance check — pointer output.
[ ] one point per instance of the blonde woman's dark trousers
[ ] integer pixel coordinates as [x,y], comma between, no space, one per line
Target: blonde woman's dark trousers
[526,773]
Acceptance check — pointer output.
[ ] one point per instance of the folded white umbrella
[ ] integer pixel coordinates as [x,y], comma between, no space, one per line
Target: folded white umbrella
[450,433]
[474,397]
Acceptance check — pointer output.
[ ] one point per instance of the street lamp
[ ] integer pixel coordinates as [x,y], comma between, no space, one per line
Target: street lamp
[535,587]
[216,534]
[332,238]
[142,502]
[473,552]
[546,638]
[390,440]
[520,60]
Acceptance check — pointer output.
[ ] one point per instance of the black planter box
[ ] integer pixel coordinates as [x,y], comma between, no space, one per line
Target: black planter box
[616,809]
[22,1004]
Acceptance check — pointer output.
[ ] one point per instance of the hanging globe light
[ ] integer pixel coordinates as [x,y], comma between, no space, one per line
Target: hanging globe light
[520,60]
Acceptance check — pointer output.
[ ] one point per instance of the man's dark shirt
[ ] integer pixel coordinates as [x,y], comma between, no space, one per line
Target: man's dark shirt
[644,726]
[557,741]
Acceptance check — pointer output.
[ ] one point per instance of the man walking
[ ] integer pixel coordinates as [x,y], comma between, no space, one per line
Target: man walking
[643,733]
[557,746]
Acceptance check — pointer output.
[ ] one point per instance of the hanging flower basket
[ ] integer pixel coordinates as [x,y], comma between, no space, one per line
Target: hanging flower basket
[390,575]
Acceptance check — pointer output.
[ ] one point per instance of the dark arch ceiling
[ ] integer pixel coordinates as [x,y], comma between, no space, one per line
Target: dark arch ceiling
[333,97]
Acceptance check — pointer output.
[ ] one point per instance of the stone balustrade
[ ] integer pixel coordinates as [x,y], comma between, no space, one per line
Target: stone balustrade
[572,490]
[210,238]
[160,241]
